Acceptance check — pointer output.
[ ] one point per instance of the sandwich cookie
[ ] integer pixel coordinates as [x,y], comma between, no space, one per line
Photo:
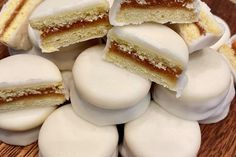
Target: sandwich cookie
[62,23]
[29,81]
[125,12]
[207,93]
[202,33]
[158,132]
[105,85]
[225,37]
[14,22]
[228,51]
[66,134]
[22,127]
[145,50]
[102,117]
[104,89]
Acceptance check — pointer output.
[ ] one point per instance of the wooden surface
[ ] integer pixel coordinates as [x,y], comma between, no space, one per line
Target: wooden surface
[218,140]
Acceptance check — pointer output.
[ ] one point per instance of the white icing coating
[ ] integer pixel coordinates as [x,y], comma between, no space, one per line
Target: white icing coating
[52,7]
[223,108]
[105,117]
[26,119]
[27,70]
[205,91]
[157,38]
[64,134]
[158,132]
[21,138]
[105,85]
[225,37]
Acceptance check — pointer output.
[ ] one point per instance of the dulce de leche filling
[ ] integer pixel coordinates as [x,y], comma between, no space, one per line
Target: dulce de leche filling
[38,93]
[78,24]
[171,73]
[202,31]
[155,3]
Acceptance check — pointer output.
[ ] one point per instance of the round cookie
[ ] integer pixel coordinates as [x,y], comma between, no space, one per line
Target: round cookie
[21,120]
[205,91]
[160,133]
[100,116]
[105,85]
[225,37]
[19,138]
[223,108]
[66,134]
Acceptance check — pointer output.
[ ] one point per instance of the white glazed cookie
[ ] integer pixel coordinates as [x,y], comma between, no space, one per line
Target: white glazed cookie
[225,37]
[14,17]
[64,134]
[228,50]
[103,117]
[19,138]
[105,85]
[26,119]
[145,50]
[125,12]
[202,33]
[160,133]
[29,81]
[62,23]
[205,91]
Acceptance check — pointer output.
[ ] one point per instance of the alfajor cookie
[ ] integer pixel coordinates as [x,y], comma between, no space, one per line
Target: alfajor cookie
[62,23]
[66,134]
[158,133]
[125,12]
[29,81]
[206,95]
[14,22]
[202,33]
[145,50]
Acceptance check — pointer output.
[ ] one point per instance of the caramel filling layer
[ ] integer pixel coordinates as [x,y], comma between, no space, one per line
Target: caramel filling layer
[13,15]
[81,23]
[155,4]
[38,93]
[200,28]
[171,73]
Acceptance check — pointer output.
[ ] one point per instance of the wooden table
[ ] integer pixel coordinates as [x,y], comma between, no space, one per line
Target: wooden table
[218,140]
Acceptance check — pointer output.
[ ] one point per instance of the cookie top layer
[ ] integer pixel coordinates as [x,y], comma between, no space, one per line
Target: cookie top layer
[27,70]
[156,38]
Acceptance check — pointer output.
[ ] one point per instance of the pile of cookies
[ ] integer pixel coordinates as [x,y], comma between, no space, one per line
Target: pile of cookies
[78,68]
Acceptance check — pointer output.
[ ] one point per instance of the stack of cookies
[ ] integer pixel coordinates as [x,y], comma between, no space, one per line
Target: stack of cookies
[79,68]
